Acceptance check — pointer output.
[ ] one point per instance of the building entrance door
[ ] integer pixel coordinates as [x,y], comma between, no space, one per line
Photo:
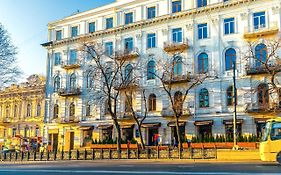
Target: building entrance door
[152,136]
[71,141]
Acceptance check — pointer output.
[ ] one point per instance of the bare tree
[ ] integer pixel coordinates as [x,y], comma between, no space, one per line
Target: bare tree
[112,79]
[9,71]
[177,86]
[264,59]
[138,117]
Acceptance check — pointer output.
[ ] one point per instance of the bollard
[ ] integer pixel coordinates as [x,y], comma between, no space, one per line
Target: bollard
[138,153]
[93,154]
[10,156]
[110,154]
[28,156]
[77,154]
[41,156]
[179,152]
[128,153]
[62,155]
[158,153]
[22,156]
[55,155]
[148,153]
[85,155]
[69,155]
[101,154]
[169,153]
[16,157]
[48,155]
[5,156]
[34,156]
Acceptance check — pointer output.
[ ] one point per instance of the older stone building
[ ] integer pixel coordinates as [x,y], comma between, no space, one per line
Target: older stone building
[22,108]
[211,33]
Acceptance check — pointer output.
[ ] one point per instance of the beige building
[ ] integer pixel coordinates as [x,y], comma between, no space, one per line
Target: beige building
[22,112]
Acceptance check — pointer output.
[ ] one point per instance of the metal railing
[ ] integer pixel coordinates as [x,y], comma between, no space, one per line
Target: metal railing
[93,154]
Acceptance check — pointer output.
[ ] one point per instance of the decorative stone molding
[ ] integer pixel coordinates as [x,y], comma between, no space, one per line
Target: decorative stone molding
[275,10]
[189,26]
[244,16]
[165,31]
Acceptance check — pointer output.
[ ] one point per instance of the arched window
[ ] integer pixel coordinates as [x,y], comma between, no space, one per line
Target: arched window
[178,101]
[56,84]
[263,96]
[229,96]
[203,63]
[90,80]
[230,58]
[152,102]
[177,66]
[28,110]
[15,111]
[72,109]
[72,81]
[38,110]
[203,98]
[128,72]
[260,54]
[151,70]
[56,111]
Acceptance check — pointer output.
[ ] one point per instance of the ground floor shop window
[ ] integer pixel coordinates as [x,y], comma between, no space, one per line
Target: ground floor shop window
[260,127]
[174,136]
[53,142]
[128,133]
[106,134]
[204,131]
[87,137]
[153,136]
[229,131]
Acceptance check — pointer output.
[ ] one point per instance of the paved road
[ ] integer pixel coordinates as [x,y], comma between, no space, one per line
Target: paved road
[117,167]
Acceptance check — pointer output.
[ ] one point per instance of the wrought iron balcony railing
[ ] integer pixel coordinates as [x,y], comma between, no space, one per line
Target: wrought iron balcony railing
[71,65]
[127,54]
[176,46]
[177,79]
[261,30]
[69,92]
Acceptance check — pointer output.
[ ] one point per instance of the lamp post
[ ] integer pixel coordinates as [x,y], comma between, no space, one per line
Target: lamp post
[235,146]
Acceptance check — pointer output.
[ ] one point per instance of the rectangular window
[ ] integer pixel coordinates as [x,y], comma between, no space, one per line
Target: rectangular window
[151,40]
[259,20]
[202,31]
[74,31]
[109,48]
[92,27]
[151,12]
[229,27]
[109,23]
[58,35]
[177,35]
[201,3]
[129,44]
[57,58]
[176,6]
[129,18]
[73,57]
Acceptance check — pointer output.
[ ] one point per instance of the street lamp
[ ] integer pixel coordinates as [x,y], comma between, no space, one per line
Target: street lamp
[235,146]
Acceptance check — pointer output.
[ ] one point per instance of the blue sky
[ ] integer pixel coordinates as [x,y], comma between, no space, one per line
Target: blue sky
[26,21]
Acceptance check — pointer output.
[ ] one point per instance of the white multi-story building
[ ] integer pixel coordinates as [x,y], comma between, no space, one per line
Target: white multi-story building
[214,32]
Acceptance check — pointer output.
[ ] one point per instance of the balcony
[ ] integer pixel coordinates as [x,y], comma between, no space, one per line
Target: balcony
[70,65]
[172,47]
[253,32]
[262,109]
[69,120]
[168,112]
[69,92]
[255,70]
[127,54]
[125,86]
[177,79]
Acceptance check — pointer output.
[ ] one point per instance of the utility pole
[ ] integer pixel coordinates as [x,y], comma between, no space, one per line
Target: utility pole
[235,146]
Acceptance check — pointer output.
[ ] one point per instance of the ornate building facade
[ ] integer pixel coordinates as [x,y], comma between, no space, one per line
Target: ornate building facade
[211,34]
[22,109]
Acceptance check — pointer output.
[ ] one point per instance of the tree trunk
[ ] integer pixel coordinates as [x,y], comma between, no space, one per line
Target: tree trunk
[178,132]
[117,126]
[141,138]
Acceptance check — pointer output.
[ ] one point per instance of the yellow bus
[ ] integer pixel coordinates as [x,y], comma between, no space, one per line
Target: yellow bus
[270,146]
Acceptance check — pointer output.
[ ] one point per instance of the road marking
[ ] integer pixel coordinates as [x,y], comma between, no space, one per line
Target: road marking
[131,172]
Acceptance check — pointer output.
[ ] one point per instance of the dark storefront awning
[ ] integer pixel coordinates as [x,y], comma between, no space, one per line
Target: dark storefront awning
[151,125]
[230,122]
[203,122]
[104,126]
[126,126]
[87,127]
[173,124]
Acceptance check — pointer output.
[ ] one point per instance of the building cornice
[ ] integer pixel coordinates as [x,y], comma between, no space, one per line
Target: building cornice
[145,23]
